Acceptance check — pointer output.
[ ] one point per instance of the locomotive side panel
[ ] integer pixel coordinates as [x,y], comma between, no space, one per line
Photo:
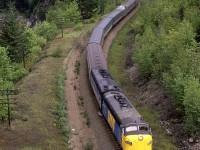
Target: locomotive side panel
[112,122]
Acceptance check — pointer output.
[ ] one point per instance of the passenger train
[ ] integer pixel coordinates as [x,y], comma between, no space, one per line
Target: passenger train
[128,126]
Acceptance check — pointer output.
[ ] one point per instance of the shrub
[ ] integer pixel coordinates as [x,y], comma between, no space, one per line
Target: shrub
[46,29]
[191,104]
[19,72]
[89,144]
[57,52]
[36,49]
[79,26]
[41,41]
[77,67]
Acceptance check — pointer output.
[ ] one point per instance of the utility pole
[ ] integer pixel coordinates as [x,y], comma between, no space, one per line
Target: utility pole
[6,101]
[61,22]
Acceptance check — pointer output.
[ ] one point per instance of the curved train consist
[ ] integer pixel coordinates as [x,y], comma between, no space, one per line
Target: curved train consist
[126,123]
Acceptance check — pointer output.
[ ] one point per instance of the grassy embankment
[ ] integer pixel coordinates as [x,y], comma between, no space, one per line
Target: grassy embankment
[116,61]
[41,101]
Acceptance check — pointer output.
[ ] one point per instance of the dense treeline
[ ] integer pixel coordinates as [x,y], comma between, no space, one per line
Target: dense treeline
[24,6]
[88,8]
[167,48]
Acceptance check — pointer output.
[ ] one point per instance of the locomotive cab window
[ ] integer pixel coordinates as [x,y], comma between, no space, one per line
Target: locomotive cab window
[131,129]
[137,128]
[143,128]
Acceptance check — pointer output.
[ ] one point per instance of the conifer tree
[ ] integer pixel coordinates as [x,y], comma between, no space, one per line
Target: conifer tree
[11,34]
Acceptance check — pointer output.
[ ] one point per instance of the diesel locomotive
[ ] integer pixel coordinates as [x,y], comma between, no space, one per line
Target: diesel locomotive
[128,126]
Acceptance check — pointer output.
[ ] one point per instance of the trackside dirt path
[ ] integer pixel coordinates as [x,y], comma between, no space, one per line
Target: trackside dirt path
[78,86]
[80,132]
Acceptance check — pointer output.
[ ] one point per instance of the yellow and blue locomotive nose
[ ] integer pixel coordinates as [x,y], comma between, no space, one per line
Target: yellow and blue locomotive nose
[137,142]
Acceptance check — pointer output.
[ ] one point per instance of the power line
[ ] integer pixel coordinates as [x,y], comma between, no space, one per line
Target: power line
[6,101]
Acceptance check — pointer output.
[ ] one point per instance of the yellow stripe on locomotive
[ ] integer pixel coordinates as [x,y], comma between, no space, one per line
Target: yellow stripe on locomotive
[111,121]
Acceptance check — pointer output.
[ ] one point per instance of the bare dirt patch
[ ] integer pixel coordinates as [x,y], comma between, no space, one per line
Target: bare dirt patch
[81,132]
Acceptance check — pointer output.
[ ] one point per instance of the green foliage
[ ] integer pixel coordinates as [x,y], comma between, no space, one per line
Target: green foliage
[192,103]
[64,14]
[36,49]
[116,53]
[79,26]
[41,41]
[60,110]
[57,52]
[19,72]
[6,70]
[77,67]
[11,34]
[18,42]
[143,53]
[28,39]
[166,48]
[87,7]
[27,42]
[46,29]
[7,74]
[89,144]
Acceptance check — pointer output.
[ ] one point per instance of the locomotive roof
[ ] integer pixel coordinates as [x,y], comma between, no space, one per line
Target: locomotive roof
[104,80]
[96,57]
[114,13]
[121,108]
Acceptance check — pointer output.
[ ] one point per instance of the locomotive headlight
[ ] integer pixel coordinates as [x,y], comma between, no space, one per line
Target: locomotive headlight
[127,142]
[140,138]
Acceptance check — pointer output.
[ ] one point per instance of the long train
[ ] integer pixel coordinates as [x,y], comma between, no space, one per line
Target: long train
[128,126]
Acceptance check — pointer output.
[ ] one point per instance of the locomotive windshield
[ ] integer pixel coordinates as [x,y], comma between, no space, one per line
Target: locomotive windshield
[137,128]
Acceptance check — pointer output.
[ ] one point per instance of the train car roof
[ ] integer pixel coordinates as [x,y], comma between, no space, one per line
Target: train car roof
[104,23]
[129,3]
[121,108]
[97,36]
[121,7]
[114,13]
[96,57]
[104,80]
